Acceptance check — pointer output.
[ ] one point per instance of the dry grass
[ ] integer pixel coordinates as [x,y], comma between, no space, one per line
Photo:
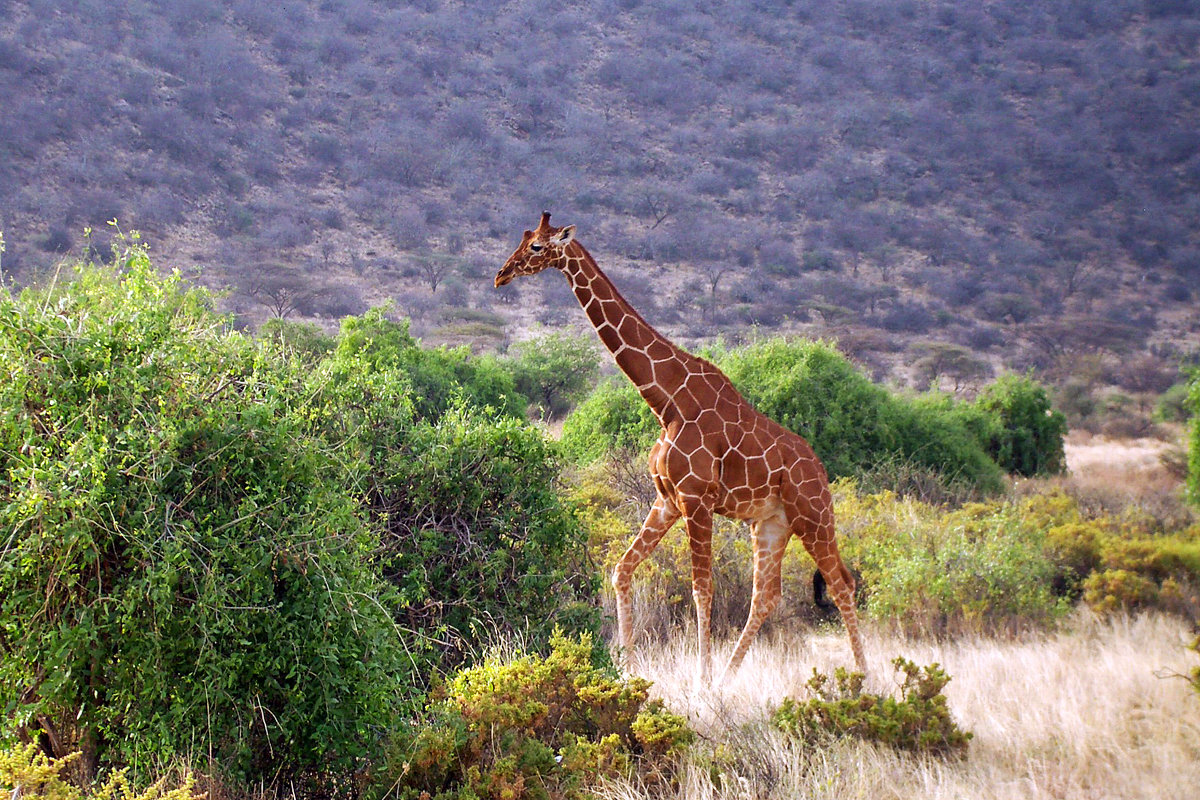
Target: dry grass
[1085,713]
[1115,476]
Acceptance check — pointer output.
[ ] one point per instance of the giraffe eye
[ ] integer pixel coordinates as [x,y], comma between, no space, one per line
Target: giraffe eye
[535,247]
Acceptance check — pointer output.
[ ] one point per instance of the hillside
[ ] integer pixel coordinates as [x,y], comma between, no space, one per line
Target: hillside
[948,188]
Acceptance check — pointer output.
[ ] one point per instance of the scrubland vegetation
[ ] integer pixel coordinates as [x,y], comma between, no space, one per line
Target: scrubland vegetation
[261,540]
[295,564]
[951,190]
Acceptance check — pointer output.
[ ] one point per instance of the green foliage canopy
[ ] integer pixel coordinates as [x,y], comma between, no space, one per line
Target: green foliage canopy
[613,418]
[1023,433]
[555,371]
[250,549]
[476,536]
[436,377]
[182,567]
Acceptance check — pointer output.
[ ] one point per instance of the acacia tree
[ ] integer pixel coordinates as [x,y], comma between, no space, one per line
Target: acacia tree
[282,290]
[555,371]
[938,359]
[434,268]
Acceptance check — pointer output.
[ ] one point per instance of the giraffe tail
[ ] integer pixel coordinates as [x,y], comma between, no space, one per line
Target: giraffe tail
[821,596]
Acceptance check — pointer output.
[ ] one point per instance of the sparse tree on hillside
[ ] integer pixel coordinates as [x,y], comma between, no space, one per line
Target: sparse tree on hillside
[959,364]
[282,290]
[434,268]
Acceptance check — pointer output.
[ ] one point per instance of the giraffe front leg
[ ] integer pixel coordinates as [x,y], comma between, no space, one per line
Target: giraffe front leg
[699,526]
[660,519]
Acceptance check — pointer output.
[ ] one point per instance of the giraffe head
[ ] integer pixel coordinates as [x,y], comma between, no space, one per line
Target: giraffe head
[541,248]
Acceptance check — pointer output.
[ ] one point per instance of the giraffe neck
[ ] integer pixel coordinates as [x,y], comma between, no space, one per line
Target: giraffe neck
[651,361]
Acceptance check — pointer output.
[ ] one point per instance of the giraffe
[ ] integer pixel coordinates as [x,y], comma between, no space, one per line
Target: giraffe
[716,455]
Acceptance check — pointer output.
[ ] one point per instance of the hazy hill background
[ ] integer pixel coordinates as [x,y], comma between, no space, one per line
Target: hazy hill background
[950,188]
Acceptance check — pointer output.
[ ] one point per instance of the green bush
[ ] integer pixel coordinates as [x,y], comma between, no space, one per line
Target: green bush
[30,774]
[1026,434]
[304,340]
[613,419]
[1074,548]
[919,721]
[183,569]
[476,536]
[934,572]
[1172,405]
[1118,589]
[472,530]
[813,390]
[534,727]
[554,372]
[436,377]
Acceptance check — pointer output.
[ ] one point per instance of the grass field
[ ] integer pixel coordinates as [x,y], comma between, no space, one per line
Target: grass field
[1093,711]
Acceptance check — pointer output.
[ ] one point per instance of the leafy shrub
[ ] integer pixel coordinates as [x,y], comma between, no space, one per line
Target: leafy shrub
[437,377]
[475,535]
[305,340]
[613,418]
[555,371]
[1027,435]
[534,727]
[920,721]
[28,773]
[1146,570]
[934,572]
[1118,589]
[183,566]
[1074,547]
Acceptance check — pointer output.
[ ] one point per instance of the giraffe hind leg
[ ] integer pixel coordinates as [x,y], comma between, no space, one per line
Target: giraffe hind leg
[839,583]
[770,543]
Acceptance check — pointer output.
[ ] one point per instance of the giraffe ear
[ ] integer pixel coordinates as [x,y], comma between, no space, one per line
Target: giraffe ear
[565,236]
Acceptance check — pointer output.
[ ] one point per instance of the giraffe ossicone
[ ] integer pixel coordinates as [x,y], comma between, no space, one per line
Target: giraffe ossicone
[716,454]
